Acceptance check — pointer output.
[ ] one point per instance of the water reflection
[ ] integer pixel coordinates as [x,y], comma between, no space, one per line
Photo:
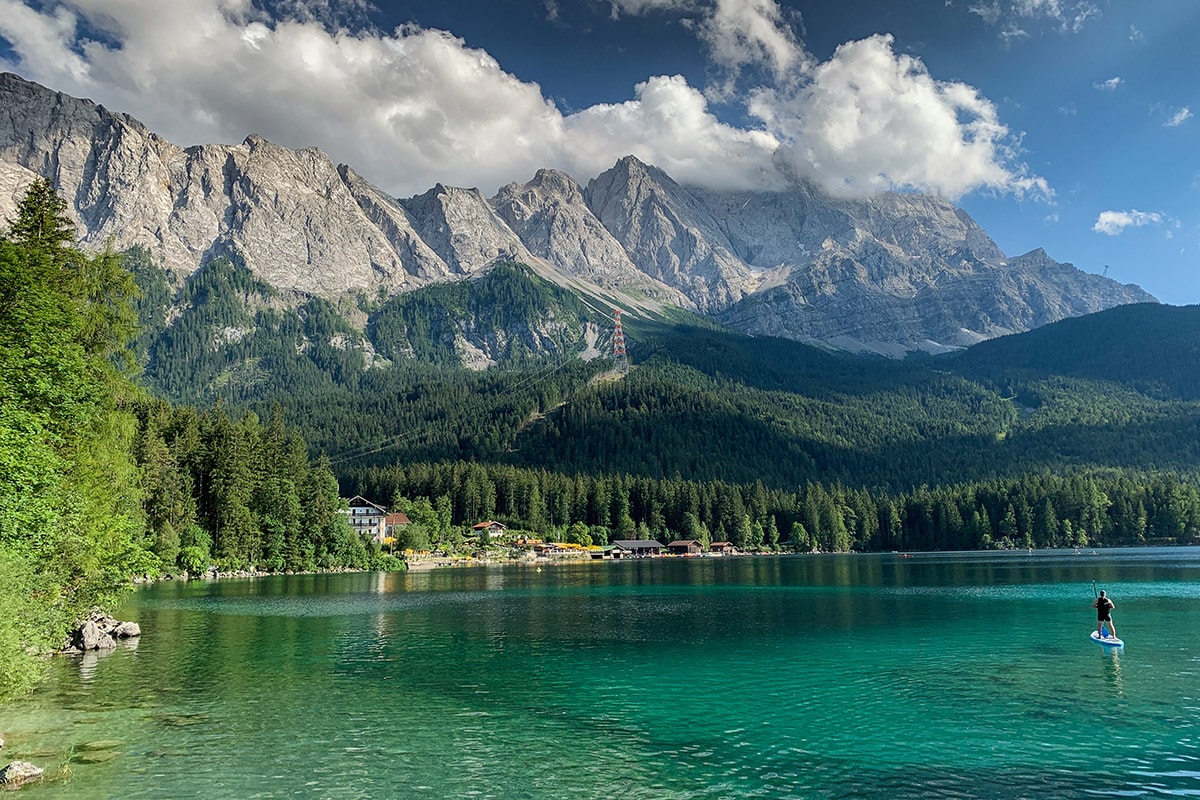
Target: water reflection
[89,660]
[1112,670]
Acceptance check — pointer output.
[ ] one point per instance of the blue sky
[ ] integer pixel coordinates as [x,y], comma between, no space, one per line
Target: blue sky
[1064,124]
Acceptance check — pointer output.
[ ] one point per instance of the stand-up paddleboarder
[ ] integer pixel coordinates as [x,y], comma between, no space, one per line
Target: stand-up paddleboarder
[1104,608]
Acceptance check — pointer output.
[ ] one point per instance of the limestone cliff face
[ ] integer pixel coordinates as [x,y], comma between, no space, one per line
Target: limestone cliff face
[422,264]
[290,215]
[889,273]
[669,233]
[460,226]
[553,220]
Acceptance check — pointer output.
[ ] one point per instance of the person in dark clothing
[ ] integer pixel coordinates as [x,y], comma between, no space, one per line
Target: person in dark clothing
[1104,608]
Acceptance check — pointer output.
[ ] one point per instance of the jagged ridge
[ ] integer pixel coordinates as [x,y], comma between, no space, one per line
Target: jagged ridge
[888,274]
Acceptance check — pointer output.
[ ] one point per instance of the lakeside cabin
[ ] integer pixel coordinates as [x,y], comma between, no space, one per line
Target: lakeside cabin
[492,528]
[689,547]
[722,548]
[635,548]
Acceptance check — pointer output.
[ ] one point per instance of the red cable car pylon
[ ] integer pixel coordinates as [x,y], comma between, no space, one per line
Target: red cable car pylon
[622,361]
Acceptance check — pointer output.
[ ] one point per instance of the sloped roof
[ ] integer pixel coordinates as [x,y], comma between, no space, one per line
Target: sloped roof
[358,501]
[637,544]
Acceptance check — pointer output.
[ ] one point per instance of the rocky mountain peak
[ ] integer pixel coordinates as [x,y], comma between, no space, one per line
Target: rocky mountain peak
[1037,255]
[670,233]
[889,273]
[551,217]
[460,226]
[553,180]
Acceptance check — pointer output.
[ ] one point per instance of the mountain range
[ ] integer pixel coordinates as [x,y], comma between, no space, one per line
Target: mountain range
[890,274]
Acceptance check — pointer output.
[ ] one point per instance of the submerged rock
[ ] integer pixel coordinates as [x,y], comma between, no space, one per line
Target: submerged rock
[19,772]
[94,757]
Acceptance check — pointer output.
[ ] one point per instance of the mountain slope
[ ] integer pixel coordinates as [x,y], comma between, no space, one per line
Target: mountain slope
[1151,348]
[669,233]
[553,220]
[698,401]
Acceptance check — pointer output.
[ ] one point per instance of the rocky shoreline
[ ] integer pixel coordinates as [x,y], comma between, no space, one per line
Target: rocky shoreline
[99,631]
[215,574]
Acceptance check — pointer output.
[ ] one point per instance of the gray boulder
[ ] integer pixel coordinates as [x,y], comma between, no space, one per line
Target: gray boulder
[99,631]
[91,637]
[126,630]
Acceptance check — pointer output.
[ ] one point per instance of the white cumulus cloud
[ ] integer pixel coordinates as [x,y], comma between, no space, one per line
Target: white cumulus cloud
[415,106]
[1110,85]
[1113,223]
[871,119]
[646,6]
[668,124]
[742,32]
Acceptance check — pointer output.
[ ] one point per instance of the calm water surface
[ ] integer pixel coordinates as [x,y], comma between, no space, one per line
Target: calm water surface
[868,676]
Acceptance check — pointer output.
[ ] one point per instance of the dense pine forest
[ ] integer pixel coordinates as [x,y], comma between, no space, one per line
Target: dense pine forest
[1083,433]
[1088,508]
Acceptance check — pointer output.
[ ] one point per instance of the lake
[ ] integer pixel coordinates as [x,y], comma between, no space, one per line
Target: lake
[835,676]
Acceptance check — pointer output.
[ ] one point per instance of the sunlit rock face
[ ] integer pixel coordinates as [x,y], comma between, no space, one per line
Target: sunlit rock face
[890,273]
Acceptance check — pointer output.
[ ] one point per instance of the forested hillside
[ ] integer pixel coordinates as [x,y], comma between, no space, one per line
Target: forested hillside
[99,482]
[716,411]
[1151,348]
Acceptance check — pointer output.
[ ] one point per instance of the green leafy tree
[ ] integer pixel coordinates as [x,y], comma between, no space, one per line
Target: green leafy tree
[577,533]
[414,536]
[771,534]
[801,542]
[70,504]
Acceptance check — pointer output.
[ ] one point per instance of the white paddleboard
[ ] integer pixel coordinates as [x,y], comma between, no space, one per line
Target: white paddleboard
[1107,641]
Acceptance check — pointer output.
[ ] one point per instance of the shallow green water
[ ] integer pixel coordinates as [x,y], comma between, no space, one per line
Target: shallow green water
[958,676]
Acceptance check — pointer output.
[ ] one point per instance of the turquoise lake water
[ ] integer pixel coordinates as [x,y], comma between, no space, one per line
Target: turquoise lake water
[858,676]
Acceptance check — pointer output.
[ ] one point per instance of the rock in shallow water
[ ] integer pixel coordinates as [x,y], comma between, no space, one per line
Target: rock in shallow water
[126,630]
[91,637]
[19,772]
